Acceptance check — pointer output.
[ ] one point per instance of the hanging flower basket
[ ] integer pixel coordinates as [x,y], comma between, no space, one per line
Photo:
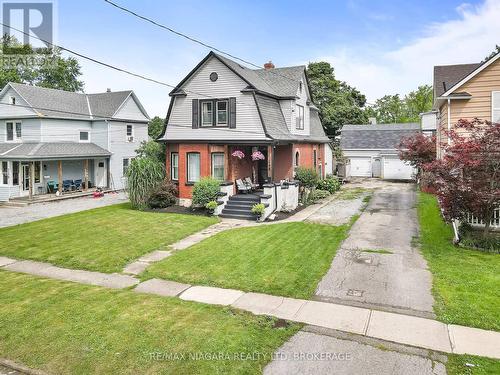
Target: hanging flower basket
[238,154]
[257,155]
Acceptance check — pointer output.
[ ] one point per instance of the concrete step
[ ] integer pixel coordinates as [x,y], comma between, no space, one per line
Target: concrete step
[237,204]
[244,198]
[236,211]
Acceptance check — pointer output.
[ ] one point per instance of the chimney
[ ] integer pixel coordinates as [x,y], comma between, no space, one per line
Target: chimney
[372,120]
[269,65]
[108,90]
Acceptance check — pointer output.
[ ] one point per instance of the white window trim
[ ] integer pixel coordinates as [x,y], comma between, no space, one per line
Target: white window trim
[299,117]
[132,135]
[8,172]
[15,138]
[84,131]
[172,166]
[493,109]
[202,124]
[212,164]
[217,113]
[12,100]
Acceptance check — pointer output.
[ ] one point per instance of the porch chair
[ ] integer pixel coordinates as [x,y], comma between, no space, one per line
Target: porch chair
[68,185]
[248,182]
[51,187]
[242,187]
[78,184]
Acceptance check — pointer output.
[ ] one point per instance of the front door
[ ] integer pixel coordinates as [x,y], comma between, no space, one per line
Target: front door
[25,187]
[100,173]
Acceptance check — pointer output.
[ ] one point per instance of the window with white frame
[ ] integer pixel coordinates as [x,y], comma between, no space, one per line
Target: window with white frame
[299,120]
[5,173]
[218,166]
[207,113]
[193,167]
[495,106]
[13,131]
[13,100]
[125,165]
[84,136]
[130,133]
[222,112]
[174,166]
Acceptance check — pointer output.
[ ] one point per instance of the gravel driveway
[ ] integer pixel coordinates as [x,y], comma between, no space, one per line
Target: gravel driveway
[19,215]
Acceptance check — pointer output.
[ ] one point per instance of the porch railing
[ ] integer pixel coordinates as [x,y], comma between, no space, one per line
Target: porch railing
[495,222]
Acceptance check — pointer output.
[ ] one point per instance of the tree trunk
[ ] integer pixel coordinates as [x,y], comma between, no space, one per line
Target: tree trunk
[487,222]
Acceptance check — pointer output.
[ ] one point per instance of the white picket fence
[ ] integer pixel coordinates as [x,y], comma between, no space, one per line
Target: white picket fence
[495,223]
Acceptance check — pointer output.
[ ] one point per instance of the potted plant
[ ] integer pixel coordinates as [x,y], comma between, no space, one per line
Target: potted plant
[211,206]
[258,210]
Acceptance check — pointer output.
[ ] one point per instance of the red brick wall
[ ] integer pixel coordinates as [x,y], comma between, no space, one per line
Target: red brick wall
[283,162]
[306,155]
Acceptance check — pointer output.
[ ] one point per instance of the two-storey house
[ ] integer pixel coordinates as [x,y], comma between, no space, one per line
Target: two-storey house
[221,108]
[50,136]
[465,91]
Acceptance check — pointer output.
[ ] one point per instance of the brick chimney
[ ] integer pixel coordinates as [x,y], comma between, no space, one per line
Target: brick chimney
[269,65]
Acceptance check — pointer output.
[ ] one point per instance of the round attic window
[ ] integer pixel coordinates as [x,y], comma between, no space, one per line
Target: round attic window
[213,76]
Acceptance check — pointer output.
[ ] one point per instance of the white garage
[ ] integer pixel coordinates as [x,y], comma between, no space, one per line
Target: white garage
[371,150]
[361,166]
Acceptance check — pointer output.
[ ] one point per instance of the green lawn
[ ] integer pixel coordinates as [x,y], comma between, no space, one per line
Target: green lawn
[66,328]
[281,259]
[103,239]
[466,283]
[457,365]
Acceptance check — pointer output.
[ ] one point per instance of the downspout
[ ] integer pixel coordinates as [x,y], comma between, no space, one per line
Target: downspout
[449,121]
[272,177]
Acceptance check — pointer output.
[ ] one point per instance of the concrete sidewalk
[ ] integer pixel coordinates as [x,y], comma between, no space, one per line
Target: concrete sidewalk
[403,329]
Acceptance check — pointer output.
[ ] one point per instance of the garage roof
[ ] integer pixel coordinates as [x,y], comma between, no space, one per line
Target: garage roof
[376,137]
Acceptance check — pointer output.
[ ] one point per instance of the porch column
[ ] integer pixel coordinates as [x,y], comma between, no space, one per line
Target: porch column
[167,162]
[31,179]
[270,162]
[227,158]
[59,176]
[86,174]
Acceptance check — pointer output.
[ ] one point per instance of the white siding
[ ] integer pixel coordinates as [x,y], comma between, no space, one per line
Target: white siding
[56,130]
[121,149]
[130,111]
[429,121]
[30,129]
[14,111]
[99,134]
[248,124]
[328,160]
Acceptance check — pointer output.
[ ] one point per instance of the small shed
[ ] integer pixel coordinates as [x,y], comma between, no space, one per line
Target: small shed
[372,150]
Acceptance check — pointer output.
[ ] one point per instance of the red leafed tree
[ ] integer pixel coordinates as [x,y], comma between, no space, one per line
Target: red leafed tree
[467,178]
[418,150]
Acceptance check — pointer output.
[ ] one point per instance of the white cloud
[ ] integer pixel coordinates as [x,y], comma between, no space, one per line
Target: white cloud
[468,38]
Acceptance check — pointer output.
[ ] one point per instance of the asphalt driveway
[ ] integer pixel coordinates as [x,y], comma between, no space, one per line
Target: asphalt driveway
[377,265]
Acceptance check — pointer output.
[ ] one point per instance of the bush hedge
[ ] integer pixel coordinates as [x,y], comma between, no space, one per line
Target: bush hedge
[163,196]
[205,190]
[330,184]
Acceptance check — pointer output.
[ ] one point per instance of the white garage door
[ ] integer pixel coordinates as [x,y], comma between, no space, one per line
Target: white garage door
[395,169]
[361,167]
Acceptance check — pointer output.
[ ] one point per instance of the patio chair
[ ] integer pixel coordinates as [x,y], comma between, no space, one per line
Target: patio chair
[242,187]
[249,182]
[68,185]
[78,184]
[51,187]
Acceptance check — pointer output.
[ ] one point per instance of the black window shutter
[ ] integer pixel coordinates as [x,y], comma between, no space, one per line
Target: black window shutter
[232,112]
[195,118]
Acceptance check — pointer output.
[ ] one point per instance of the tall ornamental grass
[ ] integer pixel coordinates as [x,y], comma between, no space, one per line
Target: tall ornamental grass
[144,175]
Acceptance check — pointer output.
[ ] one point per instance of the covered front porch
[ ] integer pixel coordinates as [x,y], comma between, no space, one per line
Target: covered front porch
[47,180]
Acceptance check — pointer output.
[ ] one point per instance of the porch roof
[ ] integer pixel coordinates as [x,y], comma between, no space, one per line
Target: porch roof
[51,150]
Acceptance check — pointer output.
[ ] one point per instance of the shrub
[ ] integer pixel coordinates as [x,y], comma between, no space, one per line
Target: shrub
[308,177]
[143,177]
[211,206]
[330,184]
[206,190]
[258,209]
[470,237]
[317,194]
[164,195]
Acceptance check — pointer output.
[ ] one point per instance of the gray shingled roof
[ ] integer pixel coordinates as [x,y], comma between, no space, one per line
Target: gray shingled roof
[317,131]
[60,103]
[445,76]
[52,150]
[376,137]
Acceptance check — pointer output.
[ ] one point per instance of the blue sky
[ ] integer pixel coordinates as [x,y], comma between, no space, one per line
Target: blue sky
[380,47]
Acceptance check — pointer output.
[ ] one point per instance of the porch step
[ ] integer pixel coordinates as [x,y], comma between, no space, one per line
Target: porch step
[239,204]
[14,204]
[238,216]
[244,198]
[237,211]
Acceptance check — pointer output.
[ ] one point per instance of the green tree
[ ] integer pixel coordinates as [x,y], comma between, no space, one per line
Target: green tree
[339,103]
[59,73]
[155,127]
[419,101]
[152,150]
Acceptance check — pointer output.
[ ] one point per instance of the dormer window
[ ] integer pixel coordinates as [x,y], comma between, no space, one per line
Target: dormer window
[206,114]
[300,87]
[299,119]
[214,112]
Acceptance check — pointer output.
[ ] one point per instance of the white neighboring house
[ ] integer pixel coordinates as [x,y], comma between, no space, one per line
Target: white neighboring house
[372,150]
[429,122]
[46,132]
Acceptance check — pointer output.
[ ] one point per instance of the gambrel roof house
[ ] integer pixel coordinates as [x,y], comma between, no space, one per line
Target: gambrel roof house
[222,106]
[49,136]
[466,91]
